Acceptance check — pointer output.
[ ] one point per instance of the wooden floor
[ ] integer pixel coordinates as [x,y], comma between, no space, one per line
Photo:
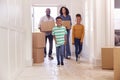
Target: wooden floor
[70,71]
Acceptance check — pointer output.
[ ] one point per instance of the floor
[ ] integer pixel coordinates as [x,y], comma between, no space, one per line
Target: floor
[70,71]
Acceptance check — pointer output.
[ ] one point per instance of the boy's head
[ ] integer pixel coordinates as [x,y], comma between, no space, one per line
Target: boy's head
[78,18]
[59,21]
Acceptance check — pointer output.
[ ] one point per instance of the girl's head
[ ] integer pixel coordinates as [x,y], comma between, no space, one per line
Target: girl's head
[59,21]
[78,18]
[64,10]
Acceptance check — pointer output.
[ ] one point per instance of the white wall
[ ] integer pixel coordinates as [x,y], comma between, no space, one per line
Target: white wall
[101,24]
[13,34]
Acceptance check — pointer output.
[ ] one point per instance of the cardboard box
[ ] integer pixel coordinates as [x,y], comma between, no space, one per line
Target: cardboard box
[66,24]
[47,26]
[38,55]
[107,57]
[38,40]
[117,63]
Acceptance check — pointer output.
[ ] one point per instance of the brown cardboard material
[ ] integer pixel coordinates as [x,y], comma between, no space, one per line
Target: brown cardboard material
[107,58]
[66,24]
[38,55]
[117,63]
[38,40]
[47,26]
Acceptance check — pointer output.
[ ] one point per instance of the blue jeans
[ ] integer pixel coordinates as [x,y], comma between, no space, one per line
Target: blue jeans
[78,47]
[50,39]
[60,53]
[67,46]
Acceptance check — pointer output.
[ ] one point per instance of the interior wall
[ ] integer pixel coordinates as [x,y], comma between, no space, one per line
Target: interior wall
[12,41]
[102,28]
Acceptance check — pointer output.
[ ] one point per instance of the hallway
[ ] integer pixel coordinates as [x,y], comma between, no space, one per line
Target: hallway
[70,71]
[16,40]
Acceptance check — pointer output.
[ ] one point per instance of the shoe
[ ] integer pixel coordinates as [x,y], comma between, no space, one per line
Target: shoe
[44,55]
[58,64]
[78,61]
[68,57]
[78,57]
[62,63]
[50,57]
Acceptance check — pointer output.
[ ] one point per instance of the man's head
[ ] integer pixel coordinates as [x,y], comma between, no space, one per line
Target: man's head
[48,12]
[59,21]
[78,18]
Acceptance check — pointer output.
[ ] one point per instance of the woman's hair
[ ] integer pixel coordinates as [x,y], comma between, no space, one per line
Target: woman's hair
[67,11]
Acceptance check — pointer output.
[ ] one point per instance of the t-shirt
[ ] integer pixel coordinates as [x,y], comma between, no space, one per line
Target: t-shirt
[59,33]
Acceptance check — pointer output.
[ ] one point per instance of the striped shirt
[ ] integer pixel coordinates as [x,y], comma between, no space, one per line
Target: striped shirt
[59,33]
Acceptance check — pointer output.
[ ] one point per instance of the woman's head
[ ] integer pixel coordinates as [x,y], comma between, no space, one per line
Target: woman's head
[64,10]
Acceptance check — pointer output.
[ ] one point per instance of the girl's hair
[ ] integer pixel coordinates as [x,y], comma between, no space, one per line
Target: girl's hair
[67,11]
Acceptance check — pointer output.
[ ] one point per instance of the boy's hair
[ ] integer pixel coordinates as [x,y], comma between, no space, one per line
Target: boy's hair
[78,15]
[58,18]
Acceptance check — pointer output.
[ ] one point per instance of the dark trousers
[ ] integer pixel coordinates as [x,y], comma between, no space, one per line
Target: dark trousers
[50,40]
[78,47]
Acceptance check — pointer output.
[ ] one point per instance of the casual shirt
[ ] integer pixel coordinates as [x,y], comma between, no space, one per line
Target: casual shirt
[59,33]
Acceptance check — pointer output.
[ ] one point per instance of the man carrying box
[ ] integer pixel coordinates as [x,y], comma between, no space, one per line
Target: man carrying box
[48,35]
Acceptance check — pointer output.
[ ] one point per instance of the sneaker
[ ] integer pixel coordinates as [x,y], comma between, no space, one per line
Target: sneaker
[78,61]
[68,57]
[50,57]
[44,55]
[58,64]
[78,56]
[62,63]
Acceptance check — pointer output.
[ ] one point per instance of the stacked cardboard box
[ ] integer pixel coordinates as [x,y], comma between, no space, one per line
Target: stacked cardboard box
[38,40]
[107,57]
[117,63]
[66,24]
[47,26]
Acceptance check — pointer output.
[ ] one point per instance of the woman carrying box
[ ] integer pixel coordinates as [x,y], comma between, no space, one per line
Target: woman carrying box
[64,14]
